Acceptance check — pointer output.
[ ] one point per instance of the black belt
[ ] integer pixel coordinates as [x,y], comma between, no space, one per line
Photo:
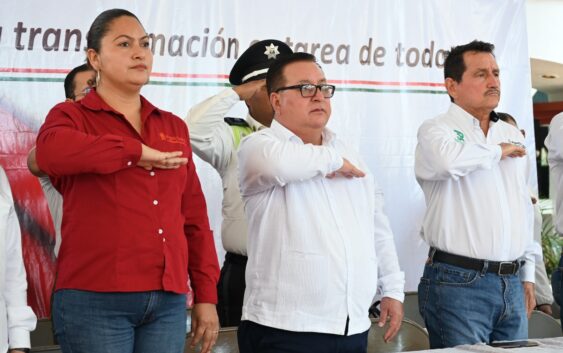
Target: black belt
[469,263]
[236,258]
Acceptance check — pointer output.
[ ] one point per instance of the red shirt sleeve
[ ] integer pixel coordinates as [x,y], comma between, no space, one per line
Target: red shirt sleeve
[64,148]
[203,265]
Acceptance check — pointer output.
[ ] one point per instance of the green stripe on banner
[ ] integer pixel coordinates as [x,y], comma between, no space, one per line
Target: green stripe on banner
[224,84]
[31,79]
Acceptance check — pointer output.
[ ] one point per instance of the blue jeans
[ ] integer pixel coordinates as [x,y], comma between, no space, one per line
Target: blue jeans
[557,285]
[137,322]
[462,306]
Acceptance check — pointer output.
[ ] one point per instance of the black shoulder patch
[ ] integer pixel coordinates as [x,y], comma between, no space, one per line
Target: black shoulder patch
[236,122]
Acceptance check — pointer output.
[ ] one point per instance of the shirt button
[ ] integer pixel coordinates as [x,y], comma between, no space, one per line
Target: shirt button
[160,231]
[163,240]
[155,202]
[129,163]
[151,173]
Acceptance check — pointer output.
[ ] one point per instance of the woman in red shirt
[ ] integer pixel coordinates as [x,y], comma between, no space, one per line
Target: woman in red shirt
[134,216]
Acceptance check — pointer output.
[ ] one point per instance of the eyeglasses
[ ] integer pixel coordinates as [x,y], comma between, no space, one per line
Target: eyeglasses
[309,90]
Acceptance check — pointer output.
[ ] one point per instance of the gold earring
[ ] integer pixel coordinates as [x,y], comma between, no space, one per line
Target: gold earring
[98,77]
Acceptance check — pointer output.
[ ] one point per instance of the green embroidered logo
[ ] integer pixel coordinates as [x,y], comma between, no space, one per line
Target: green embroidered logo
[460,136]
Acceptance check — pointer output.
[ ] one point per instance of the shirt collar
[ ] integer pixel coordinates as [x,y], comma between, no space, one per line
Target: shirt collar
[94,102]
[328,135]
[253,123]
[460,114]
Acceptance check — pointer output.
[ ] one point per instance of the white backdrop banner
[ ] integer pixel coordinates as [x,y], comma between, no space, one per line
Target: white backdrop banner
[385,57]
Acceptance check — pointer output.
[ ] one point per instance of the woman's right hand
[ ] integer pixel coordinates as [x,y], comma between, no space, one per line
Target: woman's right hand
[151,158]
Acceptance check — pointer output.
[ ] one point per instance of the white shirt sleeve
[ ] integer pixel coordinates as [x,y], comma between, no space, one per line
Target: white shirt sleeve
[265,161]
[439,156]
[542,287]
[55,203]
[554,140]
[211,138]
[391,280]
[532,252]
[20,318]
[554,144]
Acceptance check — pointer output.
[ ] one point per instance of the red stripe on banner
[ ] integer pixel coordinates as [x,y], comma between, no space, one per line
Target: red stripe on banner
[31,70]
[65,71]
[391,83]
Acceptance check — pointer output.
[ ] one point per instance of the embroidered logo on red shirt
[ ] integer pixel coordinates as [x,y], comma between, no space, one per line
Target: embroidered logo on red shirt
[173,139]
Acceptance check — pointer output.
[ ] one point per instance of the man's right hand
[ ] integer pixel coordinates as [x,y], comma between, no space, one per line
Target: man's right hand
[247,90]
[347,170]
[151,158]
[510,150]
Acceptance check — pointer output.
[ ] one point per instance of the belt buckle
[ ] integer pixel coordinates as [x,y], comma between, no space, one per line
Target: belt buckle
[512,264]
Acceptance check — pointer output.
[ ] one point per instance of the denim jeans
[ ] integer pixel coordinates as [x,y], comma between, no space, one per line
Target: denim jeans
[137,322]
[462,306]
[557,285]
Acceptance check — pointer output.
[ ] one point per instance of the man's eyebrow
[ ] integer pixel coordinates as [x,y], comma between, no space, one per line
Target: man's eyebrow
[483,69]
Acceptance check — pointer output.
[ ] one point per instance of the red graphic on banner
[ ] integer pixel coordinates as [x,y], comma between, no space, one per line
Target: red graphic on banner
[38,236]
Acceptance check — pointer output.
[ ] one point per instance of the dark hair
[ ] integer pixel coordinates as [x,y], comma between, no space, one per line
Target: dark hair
[69,84]
[275,78]
[507,118]
[100,27]
[454,66]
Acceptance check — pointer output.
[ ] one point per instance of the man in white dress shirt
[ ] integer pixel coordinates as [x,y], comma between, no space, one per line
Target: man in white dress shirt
[478,281]
[215,138]
[17,319]
[319,244]
[554,144]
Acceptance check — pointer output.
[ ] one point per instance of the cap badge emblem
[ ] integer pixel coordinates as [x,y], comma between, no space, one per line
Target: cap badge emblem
[271,51]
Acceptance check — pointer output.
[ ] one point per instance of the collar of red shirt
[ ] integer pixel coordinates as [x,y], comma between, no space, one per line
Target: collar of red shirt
[94,102]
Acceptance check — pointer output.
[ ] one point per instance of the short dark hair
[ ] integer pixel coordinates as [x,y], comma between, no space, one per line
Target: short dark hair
[275,78]
[507,118]
[100,27]
[454,66]
[69,84]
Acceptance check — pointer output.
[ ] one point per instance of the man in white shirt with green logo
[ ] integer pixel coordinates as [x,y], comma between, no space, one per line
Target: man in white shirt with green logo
[478,281]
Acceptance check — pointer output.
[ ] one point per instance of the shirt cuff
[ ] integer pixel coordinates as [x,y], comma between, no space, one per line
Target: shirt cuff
[400,296]
[393,286]
[543,300]
[336,161]
[230,95]
[208,294]
[19,338]
[527,272]
[497,153]
[21,321]
[132,152]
